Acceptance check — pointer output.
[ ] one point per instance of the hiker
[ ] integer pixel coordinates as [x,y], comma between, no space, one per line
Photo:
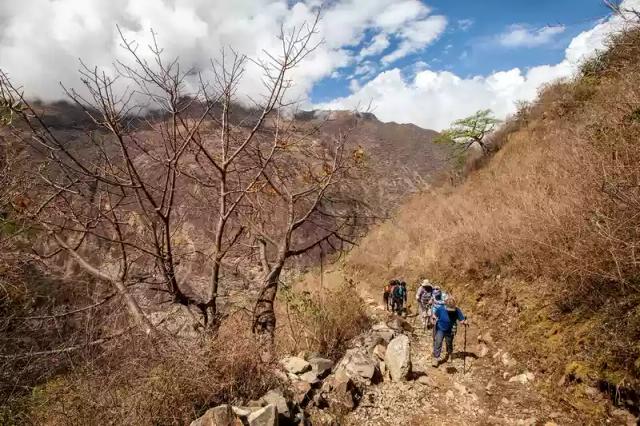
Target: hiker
[445,317]
[438,297]
[399,297]
[388,289]
[423,297]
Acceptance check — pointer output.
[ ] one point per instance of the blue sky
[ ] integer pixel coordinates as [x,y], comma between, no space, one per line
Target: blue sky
[468,45]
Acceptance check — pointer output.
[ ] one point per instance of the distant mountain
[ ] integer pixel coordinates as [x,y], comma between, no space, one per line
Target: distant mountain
[403,155]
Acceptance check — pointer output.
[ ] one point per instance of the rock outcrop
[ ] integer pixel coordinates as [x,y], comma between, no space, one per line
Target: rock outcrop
[398,358]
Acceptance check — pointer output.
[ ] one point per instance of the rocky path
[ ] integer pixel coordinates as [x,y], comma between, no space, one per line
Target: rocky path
[493,390]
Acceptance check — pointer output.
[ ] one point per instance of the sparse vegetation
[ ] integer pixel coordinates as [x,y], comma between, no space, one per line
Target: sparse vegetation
[547,231]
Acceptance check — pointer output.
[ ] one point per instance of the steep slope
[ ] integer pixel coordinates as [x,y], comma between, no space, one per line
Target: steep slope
[542,241]
[403,156]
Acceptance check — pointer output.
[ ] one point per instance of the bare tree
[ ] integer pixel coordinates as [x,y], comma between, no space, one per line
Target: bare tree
[159,157]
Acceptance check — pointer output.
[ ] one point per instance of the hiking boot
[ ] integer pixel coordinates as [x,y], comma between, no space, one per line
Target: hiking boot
[449,358]
[435,363]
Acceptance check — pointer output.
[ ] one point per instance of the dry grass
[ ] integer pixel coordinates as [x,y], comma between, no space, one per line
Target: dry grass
[173,381]
[166,383]
[556,209]
[320,320]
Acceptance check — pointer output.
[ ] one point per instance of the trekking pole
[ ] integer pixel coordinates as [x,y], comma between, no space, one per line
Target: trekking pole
[464,351]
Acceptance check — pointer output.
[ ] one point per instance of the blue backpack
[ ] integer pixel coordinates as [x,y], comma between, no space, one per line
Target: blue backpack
[399,292]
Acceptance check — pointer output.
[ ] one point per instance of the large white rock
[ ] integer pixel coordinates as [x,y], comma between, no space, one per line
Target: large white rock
[321,366]
[267,416]
[222,415]
[358,365]
[295,365]
[275,398]
[398,358]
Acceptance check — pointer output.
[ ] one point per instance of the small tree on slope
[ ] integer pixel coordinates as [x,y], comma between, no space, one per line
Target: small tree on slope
[467,131]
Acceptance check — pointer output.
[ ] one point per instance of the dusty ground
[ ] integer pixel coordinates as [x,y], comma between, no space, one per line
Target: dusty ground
[482,394]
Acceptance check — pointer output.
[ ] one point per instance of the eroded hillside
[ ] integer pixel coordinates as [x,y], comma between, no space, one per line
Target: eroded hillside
[542,241]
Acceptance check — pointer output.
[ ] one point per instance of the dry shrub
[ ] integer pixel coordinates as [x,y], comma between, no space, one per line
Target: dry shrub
[321,322]
[558,205]
[165,383]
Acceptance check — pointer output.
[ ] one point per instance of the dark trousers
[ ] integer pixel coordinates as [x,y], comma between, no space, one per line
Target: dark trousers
[440,336]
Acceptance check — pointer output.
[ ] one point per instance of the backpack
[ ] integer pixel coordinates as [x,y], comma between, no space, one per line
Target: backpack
[399,292]
[425,296]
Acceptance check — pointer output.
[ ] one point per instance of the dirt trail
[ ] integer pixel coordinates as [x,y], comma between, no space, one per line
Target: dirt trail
[483,395]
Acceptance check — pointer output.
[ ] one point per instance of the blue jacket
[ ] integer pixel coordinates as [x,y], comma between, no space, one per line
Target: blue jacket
[447,319]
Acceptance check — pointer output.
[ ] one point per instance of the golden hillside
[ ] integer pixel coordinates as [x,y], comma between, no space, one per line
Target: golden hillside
[542,242]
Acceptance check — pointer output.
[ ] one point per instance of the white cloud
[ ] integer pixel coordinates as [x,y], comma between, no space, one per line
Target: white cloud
[521,35]
[433,99]
[465,24]
[378,45]
[41,40]
[416,36]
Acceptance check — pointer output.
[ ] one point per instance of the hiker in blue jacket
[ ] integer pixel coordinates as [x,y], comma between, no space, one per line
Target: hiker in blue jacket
[445,317]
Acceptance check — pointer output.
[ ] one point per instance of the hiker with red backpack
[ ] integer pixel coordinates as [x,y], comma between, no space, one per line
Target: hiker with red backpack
[386,294]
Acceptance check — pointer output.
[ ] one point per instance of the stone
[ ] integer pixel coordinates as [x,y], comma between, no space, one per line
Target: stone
[507,361]
[301,392]
[383,368]
[460,388]
[485,338]
[551,424]
[321,366]
[295,365]
[520,378]
[400,324]
[450,394]
[386,336]
[380,326]
[357,365]
[504,401]
[222,415]
[483,351]
[256,403]
[244,412]
[310,377]
[266,416]
[424,380]
[275,398]
[591,391]
[398,358]
[380,351]
[371,341]
[528,422]
[338,391]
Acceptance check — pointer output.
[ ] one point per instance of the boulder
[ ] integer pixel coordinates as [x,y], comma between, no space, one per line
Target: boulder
[398,358]
[222,415]
[266,416]
[244,412]
[507,360]
[380,351]
[400,324]
[321,366]
[301,392]
[357,365]
[295,365]
[275,398]
[523,378]
[383,369]
[483,351]
[385,335]
[338,391]
[485,338]
[310,377]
